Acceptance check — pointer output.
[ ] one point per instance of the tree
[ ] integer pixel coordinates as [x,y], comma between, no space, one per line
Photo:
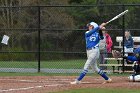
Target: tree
[17,18]
[101,14]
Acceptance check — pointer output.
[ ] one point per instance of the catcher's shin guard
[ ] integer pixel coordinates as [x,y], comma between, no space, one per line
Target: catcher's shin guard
[136,67]
[134,78]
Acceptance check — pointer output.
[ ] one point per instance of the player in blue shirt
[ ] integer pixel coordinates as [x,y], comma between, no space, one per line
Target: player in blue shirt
[93,36]
[135,56]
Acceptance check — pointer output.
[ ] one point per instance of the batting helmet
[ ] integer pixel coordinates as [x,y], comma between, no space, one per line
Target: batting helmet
[93,24]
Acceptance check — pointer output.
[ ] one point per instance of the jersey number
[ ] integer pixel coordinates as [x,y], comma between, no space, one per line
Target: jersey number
[92,39]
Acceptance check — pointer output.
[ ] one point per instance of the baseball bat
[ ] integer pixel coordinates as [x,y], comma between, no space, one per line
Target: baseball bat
[116,17]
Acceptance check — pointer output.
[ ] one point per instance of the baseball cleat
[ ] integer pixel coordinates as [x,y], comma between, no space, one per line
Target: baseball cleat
[108,81]
[75,82]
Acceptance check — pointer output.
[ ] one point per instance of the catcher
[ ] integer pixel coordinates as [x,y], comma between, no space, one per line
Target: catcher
[135,58]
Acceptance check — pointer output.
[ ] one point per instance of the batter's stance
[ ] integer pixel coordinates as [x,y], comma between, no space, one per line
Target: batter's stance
[92,47]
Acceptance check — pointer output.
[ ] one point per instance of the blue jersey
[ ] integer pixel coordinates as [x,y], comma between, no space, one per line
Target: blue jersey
[137,50]
[92,38]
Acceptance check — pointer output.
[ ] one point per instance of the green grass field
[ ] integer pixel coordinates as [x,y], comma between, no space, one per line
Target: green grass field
[59,64]
[22,74]
[67,64]
[101,90]
[54,74]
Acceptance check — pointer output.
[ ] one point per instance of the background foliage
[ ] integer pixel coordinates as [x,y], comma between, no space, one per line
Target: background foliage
[62,28]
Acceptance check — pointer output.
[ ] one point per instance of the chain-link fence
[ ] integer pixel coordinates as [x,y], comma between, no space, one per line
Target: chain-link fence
[51,38]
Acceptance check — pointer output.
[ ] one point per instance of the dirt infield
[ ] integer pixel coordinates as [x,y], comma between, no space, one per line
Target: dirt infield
[46,84]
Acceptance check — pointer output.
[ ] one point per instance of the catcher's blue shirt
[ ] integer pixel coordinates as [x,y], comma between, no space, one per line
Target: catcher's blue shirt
[134,58]
[92,38]
[137,50]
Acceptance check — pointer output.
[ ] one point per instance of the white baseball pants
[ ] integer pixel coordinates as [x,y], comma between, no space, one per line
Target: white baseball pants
[92,56]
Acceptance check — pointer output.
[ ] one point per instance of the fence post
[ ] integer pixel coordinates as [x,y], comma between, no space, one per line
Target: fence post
[123,28]
[38,38]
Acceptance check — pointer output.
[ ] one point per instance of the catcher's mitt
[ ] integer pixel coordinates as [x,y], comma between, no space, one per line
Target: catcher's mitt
[116,54]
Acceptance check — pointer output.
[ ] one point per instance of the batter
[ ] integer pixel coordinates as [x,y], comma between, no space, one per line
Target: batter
[93,36]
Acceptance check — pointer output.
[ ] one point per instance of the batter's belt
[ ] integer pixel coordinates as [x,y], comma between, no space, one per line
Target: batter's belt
[92,48]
